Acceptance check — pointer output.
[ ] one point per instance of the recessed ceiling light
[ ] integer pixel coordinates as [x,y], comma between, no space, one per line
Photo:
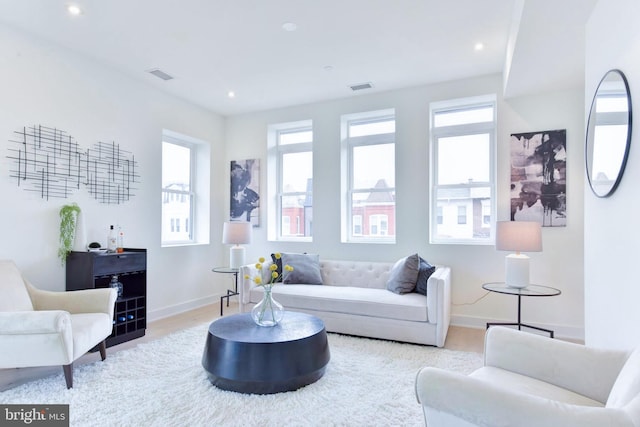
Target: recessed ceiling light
[231,94]
[74,10]
[289,26]
[478,47]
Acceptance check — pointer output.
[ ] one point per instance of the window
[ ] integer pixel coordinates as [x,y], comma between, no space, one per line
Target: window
[368,177]
[185,190]
[291,181]
[357,225]
[378,225]
[462,214]
[463,171]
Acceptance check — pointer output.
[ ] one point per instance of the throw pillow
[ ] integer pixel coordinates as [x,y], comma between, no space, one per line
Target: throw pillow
[306,269]
[404,275]
[424,272]
[278,263]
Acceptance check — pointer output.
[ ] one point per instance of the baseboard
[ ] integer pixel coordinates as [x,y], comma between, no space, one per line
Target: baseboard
[570,333]
[172,310]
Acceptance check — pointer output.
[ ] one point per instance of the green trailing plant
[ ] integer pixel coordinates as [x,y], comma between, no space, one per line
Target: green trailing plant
[68,220]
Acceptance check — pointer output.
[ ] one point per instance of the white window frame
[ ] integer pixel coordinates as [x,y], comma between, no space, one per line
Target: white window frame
[198,222]
[275,155]
[461,130]
[348,144]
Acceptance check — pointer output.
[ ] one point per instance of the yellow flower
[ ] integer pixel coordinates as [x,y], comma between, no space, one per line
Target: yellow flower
[257,280]
[288,267]
[261,259]
[277,255]
[258,266]
[246,276]
[274,274]
[273,267]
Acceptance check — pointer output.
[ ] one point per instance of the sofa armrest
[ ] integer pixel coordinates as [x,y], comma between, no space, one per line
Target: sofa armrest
[439,302]
[479,403]
[34,322]
[84,301]
[585,370]
[35,338]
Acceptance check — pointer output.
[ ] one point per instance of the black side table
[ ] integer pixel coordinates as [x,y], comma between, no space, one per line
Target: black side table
[529,291]
[230,292]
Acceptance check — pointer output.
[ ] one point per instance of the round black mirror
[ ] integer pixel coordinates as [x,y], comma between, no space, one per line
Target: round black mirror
[608,133]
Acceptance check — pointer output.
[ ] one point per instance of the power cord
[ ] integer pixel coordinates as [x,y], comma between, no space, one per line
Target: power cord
[471,303]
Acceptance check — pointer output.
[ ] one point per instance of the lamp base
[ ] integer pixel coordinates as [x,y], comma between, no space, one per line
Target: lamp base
[236,256]
[517,270]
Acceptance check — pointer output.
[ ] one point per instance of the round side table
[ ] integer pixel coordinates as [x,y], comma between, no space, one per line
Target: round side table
[529,291]
[230,292]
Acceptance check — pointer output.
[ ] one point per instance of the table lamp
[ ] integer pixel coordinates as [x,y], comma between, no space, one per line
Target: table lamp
[236,233]
[518,236]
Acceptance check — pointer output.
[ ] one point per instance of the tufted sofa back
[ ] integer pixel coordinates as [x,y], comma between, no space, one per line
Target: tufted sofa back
[355,273]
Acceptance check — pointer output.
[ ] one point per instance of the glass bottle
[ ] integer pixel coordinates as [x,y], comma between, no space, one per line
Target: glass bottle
[120,241]
[116,284]
[111,240]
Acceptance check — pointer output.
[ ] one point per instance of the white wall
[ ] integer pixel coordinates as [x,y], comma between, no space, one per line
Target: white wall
[43,84]
[560,265]
[612,289]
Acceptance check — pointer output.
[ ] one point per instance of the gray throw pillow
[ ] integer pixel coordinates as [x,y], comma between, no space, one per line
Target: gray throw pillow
[404,275]
[306,269]
[424,272]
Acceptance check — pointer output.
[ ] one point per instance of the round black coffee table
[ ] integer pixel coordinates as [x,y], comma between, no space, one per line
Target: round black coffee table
[244,357]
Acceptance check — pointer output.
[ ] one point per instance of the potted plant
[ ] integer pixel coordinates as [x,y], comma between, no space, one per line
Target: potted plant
[68,220]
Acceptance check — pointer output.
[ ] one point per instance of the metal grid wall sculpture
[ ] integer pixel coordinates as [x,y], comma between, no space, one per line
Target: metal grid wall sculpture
[50,161]
[110,172]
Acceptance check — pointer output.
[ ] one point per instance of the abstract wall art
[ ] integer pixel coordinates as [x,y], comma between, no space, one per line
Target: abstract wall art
[245,191]
[539,177]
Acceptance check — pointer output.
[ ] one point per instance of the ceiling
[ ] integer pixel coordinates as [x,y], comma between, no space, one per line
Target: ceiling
[212,47]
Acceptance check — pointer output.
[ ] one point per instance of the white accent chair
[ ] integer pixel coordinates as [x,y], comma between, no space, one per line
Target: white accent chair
[44,328]
[530,381]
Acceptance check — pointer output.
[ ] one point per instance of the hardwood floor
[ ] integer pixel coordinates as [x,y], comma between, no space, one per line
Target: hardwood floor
[458,338]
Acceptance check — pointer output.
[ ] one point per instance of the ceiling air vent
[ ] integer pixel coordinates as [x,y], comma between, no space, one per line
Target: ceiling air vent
[361,86]
[160,74]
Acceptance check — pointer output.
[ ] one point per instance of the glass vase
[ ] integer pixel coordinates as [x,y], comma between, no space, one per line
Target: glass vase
[267,312]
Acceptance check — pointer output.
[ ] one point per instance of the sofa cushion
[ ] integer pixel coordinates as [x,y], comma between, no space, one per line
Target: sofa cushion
[404,275]
[425,270]
[278,263]
[306,269]
[518,383]
[348,299]
[627,385]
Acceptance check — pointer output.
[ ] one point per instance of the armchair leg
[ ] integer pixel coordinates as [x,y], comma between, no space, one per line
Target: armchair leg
[68,374]
[103,349]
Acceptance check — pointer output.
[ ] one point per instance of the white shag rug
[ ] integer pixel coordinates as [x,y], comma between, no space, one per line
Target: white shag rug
[162,383]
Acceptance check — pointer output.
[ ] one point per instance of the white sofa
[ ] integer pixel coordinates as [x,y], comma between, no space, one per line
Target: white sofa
[353,300]
[530,381]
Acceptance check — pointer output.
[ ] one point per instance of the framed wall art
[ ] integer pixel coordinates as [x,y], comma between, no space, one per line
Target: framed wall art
[539,177]
[245,191]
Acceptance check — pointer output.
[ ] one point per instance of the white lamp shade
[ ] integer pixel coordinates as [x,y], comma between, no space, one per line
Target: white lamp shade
[519,236]
[236,233]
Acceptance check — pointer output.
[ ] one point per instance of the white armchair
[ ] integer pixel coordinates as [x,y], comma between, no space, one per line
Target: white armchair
[43,328]
[531,380]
